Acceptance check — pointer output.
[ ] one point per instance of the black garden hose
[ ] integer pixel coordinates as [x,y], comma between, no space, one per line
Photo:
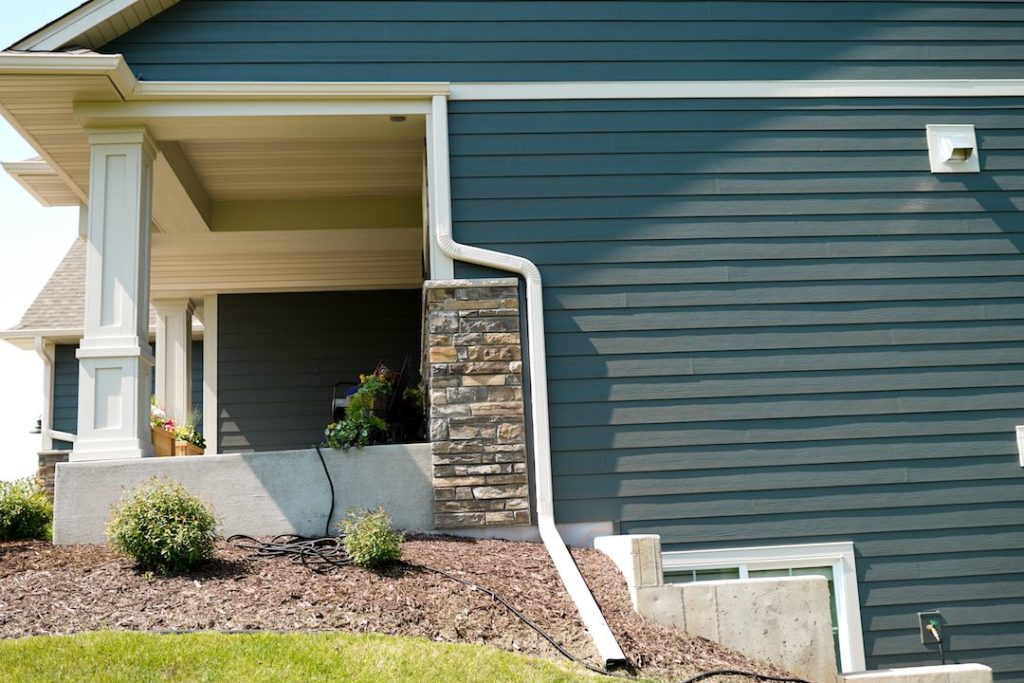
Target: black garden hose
[327,554]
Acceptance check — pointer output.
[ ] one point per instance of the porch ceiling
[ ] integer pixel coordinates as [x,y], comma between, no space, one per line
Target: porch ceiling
[238,170]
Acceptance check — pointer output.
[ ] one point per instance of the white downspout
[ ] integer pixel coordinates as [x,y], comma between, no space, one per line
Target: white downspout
[45,353]
[46,420]
[580,594]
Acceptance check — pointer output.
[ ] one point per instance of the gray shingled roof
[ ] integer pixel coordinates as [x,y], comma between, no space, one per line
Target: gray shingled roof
[61,303]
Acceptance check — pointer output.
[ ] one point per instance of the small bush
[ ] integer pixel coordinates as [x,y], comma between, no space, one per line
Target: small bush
[25,511]
[163,527]
[369,539]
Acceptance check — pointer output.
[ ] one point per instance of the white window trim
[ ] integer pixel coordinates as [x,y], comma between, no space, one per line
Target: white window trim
[839,556]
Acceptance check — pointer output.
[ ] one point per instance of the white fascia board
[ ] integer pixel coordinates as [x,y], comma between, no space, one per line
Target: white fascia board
[736,89]
[25,339]
[78,22]
[172,90]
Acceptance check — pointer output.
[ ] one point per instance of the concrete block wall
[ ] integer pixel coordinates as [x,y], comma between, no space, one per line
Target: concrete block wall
[473,372]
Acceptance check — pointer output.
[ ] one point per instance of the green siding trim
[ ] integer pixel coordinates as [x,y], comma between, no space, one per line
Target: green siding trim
[279,356]
[768,323]
[474,40]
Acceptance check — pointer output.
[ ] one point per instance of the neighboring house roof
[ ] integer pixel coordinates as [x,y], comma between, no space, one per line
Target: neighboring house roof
[92,24]
[41,181]
[58,312]
[60,306]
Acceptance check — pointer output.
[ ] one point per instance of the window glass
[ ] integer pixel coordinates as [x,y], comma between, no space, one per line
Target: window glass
[691,575]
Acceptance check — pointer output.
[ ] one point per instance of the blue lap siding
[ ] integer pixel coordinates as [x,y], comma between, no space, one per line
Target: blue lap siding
[768,323]
[328,40]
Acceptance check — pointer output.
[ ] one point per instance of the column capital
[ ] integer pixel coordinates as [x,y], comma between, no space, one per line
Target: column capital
[129,135]
[176,304]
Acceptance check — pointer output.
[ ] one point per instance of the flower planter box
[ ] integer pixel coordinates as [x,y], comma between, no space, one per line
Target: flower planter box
[164,444]
[186,448]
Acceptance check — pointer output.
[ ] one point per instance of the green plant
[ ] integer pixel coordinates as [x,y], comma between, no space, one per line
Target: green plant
[25,511]
[358,431]
[163,527]
[188,431]
[362,425]
[369,539]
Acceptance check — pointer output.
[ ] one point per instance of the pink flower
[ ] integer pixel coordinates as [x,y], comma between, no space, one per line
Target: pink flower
[169,426]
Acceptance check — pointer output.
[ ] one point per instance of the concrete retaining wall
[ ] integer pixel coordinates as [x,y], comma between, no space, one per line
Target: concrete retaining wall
[784,621]
[256,493]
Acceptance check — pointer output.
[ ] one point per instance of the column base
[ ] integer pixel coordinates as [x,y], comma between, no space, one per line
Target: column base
[111,449]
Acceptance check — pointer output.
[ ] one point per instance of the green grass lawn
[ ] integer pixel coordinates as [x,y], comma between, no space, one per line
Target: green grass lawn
[139,657]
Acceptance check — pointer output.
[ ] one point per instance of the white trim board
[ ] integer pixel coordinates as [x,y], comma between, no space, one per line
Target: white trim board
[736,89]
[839,556]
[93,24]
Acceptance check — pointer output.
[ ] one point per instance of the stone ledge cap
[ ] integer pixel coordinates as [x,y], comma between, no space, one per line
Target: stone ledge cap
[474,282]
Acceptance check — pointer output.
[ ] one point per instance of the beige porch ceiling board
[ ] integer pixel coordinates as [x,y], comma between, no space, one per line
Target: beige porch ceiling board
[283,169]
[303,260]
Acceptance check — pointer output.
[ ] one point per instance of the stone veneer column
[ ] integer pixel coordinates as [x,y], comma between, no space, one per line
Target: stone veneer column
[474,374]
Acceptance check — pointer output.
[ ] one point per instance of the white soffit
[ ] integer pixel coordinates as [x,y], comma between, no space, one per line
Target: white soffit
[42,182]
[93,24]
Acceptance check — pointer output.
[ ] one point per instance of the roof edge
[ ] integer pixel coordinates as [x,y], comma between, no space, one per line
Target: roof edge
[70,63]
[113,17]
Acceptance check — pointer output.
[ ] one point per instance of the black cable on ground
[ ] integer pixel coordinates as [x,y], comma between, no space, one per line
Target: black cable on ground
[330,482]
[323,555]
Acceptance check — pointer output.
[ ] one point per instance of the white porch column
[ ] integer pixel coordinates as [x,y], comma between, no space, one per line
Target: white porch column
[115,359]
[174,357]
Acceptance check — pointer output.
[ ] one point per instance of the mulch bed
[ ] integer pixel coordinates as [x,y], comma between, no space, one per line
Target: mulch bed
[61,590]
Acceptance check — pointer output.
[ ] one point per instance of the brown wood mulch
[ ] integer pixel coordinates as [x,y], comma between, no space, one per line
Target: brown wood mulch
[60,590]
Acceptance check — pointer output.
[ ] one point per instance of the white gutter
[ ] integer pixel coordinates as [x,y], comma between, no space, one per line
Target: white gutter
[580,594]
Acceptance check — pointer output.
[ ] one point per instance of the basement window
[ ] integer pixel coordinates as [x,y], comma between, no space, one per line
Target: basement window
[834,561]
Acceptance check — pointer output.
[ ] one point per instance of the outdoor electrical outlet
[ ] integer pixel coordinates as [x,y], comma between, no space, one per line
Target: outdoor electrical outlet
[931,627]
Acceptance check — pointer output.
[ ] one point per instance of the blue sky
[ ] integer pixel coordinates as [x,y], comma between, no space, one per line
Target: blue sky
[32,241]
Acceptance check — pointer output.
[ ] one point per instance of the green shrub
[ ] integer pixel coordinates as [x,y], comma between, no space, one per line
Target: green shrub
[25,511]
[163,527]
[369,539]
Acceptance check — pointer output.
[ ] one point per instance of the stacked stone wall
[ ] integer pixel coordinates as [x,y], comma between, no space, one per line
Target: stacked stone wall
[474,377]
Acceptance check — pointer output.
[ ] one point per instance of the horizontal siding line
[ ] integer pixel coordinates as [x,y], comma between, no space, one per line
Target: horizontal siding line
[681,466]
[711,517]
[934,521]
[603,462]
[699,478]
[679,390]
[781,430]
[625,377]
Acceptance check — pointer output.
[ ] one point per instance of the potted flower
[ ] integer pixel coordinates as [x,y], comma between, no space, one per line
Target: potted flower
[172,439]
[162,430]
[187,439]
